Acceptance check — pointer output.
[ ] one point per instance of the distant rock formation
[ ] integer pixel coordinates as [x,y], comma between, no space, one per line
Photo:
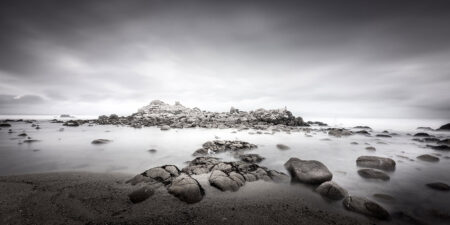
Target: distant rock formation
[158,113]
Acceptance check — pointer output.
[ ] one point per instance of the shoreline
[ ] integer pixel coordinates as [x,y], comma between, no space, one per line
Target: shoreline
[98,198]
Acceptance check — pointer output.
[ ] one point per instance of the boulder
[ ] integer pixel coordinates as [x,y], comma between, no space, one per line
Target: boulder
[428,158]
[5,125]
[331,190]
[365,207]
[373,174]
[370,148]
[439,186]
[307,171]
[165,127]
[445,127]
[251,158]
[421,134]
[376,162]
[141,194]
[186,188]
[225,182]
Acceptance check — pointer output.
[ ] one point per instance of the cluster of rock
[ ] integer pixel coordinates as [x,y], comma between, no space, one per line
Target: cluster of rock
[313,172]
[219,146]
[158,113]
[433,142]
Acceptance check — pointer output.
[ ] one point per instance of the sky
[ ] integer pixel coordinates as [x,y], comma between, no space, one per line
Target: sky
[387,59]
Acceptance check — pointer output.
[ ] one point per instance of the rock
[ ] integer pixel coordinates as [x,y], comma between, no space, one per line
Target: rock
[201,165]
[384,197]
[439,147]
[444,142]
[165,127]
[5,125]
[362,132]
[383,135]
[22,134]
[219,146]
[421,135]
[428,158]
[373,174]
[363,127]
[339,132]
[141,194]
[354,143]
[186,188]
[251,158]
[152,150]
[163,174]
[282,147]
[308,171]
[331,190]
[365,207]
[318,123]
[445,127]
[376,162]
[71,123]
[225,182]
[100,141]
[439,186]
[30,141]
[370,148]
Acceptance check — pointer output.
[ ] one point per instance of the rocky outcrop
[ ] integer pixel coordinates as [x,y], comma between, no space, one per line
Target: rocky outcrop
[445,127]
[158,113]
[307,171]
[373,174]
[376,162]
[365,207]
[219,146]
[331,190]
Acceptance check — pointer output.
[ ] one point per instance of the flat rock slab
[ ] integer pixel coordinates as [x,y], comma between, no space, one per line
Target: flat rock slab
[308,171]
[376,162]
[365,207]
[373,174]
[332,190]
[428,158]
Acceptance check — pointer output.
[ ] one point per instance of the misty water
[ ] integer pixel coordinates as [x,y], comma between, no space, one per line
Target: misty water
[71,150]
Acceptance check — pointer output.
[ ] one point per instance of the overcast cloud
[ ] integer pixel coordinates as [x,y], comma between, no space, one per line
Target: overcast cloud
[318,58]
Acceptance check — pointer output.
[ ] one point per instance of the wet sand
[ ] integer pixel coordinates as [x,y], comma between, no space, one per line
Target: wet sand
[93,198]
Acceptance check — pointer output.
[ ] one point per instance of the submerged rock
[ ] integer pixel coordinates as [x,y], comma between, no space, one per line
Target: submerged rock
[219,146]
[339,132]
[251,158]
[439,186]
[152,150]
[331,190]
[439,147]
[370,148]
[376,162]
[186,188]
[428,158]
[365,207]
[100,141]
[308,171]
[283,147]
[373,174]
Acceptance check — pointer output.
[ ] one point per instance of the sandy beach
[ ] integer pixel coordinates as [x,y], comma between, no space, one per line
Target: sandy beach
[93,198]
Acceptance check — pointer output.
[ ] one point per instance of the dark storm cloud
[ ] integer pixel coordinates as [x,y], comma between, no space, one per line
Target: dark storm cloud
[106,56]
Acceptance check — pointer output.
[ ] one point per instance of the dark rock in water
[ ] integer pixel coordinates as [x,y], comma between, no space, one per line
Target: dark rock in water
[384,197]
[373,174]
[308,171]
[430,139]
[226,182]
[201,165]
[5,125]
[445,127]
[444,142]
[186,188]
[71,123]
[363,127]
[22,135]
[152,150]
[384,135]
[370,148]
[439,147]
[428,158]
[354,143]
[282,147]
[425,128]
[218,146]
[165,127]
[439,186]
[30,141]
[251,158]
[421,135]
[339,132]
[332,190]
[100,141]
[365,207]
[376,162]
[362,132]
[318,123]
[141,194]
